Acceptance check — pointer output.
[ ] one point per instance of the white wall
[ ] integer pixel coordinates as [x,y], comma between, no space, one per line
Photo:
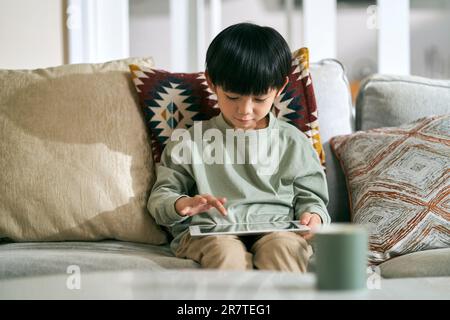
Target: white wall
[97,30]
[356,43]
[31,34]
[150,31]
[150,24]
[430,42]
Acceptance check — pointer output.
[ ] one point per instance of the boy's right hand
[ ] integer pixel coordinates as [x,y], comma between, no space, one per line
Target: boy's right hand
[190,206]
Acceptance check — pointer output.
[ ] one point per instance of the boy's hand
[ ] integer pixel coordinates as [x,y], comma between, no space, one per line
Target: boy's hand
[312,220]
[190,206]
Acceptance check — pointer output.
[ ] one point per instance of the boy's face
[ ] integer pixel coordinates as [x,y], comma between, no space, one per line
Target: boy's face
[245,112]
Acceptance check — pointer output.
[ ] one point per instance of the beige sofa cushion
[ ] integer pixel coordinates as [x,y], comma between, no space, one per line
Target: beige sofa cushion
[75,160]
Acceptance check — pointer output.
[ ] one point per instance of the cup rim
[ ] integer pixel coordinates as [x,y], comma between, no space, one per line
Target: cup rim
[341,228]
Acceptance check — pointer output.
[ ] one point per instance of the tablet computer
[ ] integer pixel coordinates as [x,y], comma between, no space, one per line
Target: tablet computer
[247,228]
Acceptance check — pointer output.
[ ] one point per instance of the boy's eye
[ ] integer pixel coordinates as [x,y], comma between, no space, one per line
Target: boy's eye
[260,100]
[232,98]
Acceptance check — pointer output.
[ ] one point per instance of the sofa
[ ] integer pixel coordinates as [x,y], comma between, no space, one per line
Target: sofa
[31,246]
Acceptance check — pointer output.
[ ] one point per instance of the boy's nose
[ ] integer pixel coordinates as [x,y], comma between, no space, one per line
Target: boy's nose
[245,107]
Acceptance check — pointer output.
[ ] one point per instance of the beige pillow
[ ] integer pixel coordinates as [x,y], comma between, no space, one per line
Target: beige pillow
[75,162]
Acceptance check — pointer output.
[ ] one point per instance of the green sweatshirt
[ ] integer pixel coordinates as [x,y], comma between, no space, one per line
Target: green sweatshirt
[286,179]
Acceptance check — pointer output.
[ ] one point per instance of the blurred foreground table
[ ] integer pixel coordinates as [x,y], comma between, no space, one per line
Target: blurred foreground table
[209,285]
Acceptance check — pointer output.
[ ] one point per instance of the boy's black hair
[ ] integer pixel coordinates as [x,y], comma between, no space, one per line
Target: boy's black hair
[248,59]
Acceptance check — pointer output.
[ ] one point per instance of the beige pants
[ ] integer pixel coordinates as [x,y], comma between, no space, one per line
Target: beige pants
[283,251]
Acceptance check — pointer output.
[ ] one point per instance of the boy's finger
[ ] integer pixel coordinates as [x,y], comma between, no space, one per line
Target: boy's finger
[308,235]
[220,207]
[304,219]
[217,204]
[185,211]
[199,200]
[221,199]
[316,218]
[203,207]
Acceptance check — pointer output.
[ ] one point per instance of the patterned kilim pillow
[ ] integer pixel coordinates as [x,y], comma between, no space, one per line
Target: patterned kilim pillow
[399,185]
[297,103]
[171,101]
[176,100]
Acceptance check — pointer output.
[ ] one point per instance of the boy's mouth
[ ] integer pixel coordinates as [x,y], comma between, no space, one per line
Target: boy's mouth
[245,120]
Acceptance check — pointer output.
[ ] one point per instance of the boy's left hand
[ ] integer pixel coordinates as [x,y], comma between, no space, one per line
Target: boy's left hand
[312,220]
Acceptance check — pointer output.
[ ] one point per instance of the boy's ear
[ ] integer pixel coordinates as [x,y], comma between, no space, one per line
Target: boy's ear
[210,84]
[284,85]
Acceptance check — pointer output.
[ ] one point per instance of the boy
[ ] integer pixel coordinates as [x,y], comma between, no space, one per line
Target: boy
[247,67]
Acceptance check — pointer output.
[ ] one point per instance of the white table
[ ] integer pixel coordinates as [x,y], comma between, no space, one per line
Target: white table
[207,285]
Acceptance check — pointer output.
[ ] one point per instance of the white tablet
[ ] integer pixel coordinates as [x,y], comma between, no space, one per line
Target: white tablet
[247,228]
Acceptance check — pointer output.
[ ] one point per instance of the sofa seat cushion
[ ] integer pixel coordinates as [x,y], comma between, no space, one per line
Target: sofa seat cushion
[44,258]
[428,263]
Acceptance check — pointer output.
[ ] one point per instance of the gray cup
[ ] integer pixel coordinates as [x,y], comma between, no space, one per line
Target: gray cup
[341,257]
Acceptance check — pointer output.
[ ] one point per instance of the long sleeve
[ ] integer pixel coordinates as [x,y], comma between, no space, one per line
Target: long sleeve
[310,186]
[173,181]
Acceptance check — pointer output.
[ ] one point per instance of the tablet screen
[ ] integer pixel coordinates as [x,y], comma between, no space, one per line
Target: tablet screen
[251,227]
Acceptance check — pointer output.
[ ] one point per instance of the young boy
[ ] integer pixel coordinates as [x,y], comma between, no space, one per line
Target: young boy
[247,67]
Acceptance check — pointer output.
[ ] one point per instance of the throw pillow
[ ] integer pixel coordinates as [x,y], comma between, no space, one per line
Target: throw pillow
[176,100]
[399,185]
[75,162]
